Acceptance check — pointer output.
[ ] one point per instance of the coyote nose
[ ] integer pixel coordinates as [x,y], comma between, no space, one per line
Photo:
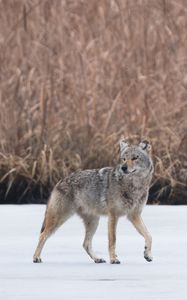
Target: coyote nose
[124,168]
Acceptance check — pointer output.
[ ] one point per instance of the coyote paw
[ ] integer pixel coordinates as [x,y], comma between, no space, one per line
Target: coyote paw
[115,261]
[99,260]
[148,256]
[37,260]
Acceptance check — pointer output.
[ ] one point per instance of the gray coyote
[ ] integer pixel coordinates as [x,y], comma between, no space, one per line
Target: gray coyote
[115,192]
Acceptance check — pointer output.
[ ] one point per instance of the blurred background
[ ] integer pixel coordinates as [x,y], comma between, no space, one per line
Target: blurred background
[77,75]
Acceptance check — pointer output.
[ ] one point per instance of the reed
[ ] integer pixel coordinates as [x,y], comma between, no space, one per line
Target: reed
[76,75]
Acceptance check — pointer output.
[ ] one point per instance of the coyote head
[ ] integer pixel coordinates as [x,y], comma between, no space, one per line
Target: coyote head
[136,159]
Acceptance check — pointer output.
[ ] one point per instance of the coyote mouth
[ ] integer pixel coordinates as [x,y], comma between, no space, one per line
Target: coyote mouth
[126,171]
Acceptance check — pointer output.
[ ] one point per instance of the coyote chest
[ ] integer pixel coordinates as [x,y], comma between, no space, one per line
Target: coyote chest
[127,201]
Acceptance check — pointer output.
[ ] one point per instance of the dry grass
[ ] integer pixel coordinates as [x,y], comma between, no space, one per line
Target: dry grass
[76,75]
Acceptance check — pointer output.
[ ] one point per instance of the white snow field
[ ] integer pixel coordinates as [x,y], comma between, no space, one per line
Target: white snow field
[68,273]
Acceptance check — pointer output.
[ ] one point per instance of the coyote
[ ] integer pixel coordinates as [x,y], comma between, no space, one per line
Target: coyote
[115,192]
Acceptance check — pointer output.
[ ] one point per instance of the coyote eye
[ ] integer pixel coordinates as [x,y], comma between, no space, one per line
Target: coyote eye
[135,158]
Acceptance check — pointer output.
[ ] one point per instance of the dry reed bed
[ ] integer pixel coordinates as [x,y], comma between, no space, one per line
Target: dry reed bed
[76,75]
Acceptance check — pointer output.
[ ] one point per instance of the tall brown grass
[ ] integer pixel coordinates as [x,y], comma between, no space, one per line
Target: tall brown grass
[76,75]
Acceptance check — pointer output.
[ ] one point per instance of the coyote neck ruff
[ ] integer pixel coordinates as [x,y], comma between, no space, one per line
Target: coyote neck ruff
[115,192]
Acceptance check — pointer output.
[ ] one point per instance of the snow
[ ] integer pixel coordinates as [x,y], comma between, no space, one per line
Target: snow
[68,273]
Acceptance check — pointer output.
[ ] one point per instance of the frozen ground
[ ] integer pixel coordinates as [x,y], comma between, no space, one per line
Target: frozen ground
[68,273]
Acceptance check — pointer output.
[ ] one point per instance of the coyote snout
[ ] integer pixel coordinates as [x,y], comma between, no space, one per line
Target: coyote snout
[115,192]
[128,167]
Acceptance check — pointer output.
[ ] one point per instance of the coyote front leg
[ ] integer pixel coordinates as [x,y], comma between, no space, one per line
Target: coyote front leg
[91,224]
[112,224]
[141,228]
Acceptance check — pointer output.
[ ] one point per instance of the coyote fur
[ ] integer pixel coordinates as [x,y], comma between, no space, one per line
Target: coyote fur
[115,192]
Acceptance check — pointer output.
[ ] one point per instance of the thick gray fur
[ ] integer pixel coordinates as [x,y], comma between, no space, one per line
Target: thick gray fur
[119,191]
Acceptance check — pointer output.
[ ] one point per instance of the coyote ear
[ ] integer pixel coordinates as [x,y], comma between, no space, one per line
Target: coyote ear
[123,145]
[145,145]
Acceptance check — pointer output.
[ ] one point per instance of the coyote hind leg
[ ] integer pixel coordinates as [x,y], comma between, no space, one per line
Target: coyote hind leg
[48,227]
[91,224]
[52,222]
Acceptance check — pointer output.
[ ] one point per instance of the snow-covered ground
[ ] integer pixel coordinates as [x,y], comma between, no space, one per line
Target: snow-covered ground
[68,273]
